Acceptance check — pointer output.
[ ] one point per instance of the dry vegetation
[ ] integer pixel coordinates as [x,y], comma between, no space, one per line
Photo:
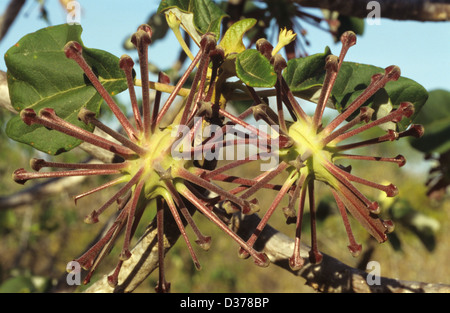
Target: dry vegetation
[39,239]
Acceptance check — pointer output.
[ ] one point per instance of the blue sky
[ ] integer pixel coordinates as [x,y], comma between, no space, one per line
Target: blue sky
[420,49]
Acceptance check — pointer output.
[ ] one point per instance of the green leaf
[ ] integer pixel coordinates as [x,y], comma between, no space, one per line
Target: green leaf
[307,73]
[305,78]
[207,16]
[40,76]
[407,90]
[353,79]
[183,5]
[435,117]
[232,39]
[254,69]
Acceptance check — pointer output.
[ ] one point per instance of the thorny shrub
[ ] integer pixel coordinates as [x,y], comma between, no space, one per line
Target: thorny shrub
[171,158]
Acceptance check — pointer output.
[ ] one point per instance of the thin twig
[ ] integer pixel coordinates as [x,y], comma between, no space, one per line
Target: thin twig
[330,275]
[9,16]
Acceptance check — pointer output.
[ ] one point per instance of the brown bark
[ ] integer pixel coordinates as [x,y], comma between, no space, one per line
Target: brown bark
[417,10]
[331,275]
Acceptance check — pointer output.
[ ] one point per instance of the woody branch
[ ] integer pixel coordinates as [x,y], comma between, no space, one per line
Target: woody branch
[330,275]
[417,10]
